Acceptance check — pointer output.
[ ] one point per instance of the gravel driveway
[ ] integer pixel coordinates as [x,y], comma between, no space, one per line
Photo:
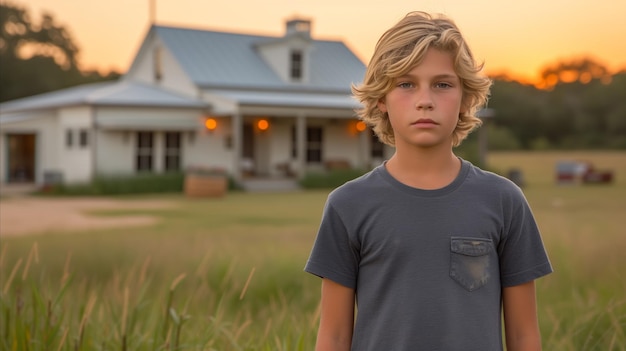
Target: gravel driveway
[23,215]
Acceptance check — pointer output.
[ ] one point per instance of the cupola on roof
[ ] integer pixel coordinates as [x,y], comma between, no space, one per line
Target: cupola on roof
[298,26]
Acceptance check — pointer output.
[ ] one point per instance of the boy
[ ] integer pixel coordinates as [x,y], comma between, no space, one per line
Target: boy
[432,248]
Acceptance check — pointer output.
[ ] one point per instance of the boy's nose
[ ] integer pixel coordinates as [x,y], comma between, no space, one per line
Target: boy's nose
[424,105]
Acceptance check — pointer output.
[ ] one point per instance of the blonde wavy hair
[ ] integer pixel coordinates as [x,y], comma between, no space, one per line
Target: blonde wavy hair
[401,48]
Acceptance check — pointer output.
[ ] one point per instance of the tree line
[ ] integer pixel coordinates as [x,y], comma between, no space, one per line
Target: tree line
[38,56]
[578,104]
[578,109]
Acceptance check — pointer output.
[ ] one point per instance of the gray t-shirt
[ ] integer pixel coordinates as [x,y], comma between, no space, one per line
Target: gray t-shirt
[428,266]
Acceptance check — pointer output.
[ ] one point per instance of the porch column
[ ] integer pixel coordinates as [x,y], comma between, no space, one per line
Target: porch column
[158,147]
[237,140]
[364,151]
[300,144]
[93,142]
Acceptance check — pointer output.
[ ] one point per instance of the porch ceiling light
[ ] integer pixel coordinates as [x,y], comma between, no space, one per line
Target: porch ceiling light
[263,124]
[360,126]
[210,124]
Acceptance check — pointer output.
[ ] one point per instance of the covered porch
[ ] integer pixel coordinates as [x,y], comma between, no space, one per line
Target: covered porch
[287,134]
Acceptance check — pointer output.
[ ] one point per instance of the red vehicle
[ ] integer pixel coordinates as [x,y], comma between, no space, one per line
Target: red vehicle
[598,176]
[581,172]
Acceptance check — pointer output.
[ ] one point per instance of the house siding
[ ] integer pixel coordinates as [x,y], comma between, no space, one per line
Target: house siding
[212,149]
[115,152]
[149,118]
[76,160]
[280,148]
[342,142]
[199,147]
[219,105]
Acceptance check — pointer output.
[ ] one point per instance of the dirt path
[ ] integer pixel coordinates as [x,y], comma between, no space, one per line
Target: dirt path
[30,215]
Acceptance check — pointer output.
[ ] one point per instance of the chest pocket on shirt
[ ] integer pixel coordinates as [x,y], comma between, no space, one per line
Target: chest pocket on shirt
[469,261]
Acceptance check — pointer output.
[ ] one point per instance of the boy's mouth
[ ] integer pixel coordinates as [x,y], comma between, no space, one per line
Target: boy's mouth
[424,121]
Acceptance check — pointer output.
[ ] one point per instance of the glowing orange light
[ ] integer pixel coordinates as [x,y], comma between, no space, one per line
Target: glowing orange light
[263,124]
[360,126]
[568,76]
[585,77]
[210,124]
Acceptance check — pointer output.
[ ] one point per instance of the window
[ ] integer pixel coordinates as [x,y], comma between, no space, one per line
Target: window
[378,148]
[69,138]
[172,151]
[314,144]
[144,151]
[83,138]
[294,145]
[296,64]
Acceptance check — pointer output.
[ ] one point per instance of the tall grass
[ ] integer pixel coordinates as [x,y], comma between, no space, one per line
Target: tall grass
[583,304]
[226,274]
[211,307]
[213,275]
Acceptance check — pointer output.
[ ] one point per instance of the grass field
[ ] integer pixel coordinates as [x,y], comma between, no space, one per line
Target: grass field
[226,274]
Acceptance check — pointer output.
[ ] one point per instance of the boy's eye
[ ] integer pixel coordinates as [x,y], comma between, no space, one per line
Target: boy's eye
[443,85]
[405,85]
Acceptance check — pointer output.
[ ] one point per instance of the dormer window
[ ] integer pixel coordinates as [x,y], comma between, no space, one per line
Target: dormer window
[296,64]
[290,56]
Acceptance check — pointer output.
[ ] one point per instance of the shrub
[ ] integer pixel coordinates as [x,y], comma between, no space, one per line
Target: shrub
[330,179]
[148,183]
[118,185]
[502,138]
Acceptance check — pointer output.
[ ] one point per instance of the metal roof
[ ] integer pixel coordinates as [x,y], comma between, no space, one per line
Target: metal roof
[116,93]
[229,65]
[220,59]
[289,99]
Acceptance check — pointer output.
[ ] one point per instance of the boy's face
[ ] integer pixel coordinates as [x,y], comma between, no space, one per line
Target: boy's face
[424,104]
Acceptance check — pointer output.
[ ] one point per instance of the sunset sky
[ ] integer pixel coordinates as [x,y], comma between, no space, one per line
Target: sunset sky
[518,37]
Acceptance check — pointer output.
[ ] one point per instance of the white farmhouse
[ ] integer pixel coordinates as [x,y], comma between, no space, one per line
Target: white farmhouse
[256,106]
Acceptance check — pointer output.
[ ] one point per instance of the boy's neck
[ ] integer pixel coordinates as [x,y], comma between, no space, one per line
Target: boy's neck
[424,169]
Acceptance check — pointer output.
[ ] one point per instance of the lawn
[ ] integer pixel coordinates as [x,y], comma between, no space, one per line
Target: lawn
[226,274]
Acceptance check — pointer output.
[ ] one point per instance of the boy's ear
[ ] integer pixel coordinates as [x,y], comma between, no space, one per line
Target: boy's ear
[382,106]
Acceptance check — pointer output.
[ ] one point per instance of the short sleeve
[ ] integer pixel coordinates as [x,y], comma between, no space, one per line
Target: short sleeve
[523,257]
[333,255]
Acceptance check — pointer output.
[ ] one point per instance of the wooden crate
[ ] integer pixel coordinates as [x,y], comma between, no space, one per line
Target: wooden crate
[205,185]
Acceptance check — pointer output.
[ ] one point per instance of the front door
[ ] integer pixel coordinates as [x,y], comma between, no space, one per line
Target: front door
[247,150]
[21,158]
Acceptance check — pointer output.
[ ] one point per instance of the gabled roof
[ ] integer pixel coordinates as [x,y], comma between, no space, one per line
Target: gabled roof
[229,60]
[116,93]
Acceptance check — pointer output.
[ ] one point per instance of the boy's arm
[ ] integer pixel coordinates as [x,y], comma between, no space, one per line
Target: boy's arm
[336,317]
[520,318]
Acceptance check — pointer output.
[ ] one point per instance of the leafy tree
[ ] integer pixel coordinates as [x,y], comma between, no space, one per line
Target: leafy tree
[593,110]
[519,108]
[37,57]
[606,105]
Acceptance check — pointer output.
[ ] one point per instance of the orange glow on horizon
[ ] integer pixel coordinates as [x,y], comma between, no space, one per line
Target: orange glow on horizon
[491,28]
[568,76]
